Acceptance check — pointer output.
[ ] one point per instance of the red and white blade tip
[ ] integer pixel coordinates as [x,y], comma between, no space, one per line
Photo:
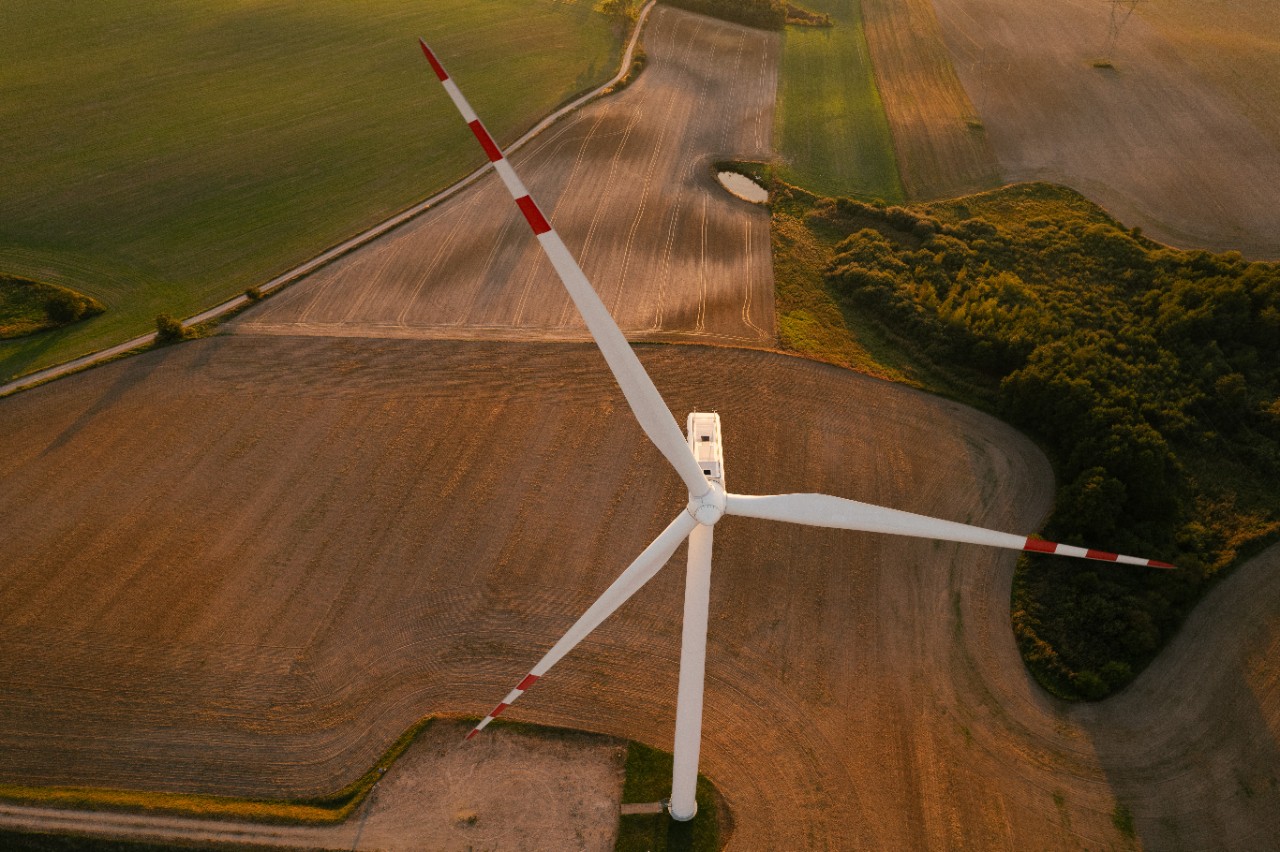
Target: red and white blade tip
[435,63]
[1039,545]
[528,681]
[537,221]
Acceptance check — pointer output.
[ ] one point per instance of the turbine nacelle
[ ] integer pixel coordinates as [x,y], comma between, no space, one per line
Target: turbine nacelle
[708,452]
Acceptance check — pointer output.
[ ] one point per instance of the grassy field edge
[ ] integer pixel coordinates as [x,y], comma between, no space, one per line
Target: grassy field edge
[831,132]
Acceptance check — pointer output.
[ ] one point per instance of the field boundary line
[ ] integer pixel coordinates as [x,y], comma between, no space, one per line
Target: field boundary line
[349,245]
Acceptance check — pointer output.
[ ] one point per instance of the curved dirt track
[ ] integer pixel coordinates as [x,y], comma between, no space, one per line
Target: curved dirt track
[245,564]
[1156,140]
[627,182]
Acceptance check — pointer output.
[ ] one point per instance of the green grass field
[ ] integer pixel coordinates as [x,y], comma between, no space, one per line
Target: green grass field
[162,157]
[830,128]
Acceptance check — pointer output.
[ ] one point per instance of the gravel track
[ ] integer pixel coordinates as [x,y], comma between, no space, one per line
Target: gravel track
[627,181]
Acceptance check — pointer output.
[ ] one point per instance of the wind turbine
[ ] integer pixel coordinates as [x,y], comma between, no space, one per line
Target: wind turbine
[698,457]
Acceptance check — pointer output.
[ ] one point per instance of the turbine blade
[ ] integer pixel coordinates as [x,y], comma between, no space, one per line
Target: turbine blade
[823,510]
[628,583]
[643,397]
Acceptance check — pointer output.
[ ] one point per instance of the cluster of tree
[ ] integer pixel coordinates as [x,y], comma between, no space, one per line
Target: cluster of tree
[639,59]
[28,306]
[804,18]
[170,330]
[622,9]
[1151,376]
[764,14]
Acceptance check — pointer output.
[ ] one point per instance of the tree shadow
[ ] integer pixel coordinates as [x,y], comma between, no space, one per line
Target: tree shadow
[128,376]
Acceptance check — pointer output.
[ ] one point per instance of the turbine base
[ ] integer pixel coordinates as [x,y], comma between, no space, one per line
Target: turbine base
[679,817]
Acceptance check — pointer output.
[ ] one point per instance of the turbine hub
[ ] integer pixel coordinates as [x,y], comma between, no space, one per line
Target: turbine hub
[708,508]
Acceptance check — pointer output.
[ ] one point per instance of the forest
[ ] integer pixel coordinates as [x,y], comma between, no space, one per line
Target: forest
[1149,375]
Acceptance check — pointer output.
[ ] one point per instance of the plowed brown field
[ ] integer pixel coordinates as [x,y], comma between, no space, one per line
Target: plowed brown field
[626,181]
[245,564]
[1179,137]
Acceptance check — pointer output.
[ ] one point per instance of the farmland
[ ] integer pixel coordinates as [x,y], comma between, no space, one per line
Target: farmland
[371,530]
[831,133]
[163,157]
[1235,45]
[244,565]
[941,146]
[1171,135]
[627,181]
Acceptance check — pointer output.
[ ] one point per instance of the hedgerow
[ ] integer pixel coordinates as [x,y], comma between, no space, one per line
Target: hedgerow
[763,14]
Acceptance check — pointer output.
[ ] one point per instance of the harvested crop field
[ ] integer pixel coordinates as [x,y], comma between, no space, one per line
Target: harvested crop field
[941,148]
[245,564]
[1173,136]
[627,181]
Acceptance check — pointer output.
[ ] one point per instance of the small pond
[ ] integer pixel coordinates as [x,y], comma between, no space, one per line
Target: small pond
[743,187]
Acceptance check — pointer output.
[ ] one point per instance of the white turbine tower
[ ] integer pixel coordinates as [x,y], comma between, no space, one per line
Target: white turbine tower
[699,460]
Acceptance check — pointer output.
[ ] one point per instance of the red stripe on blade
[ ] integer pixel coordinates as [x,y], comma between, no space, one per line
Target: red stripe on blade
[486,141]
[533,215]
[1039,545]
[435,63]
[498,710]
[1155,564]
[474,731]
[1101,554]
[528,681]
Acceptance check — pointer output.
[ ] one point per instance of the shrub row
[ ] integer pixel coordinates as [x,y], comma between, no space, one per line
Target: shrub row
[764,14]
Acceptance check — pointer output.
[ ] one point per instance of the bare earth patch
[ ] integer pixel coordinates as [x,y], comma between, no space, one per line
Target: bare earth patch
[505,789]
[1164,139]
